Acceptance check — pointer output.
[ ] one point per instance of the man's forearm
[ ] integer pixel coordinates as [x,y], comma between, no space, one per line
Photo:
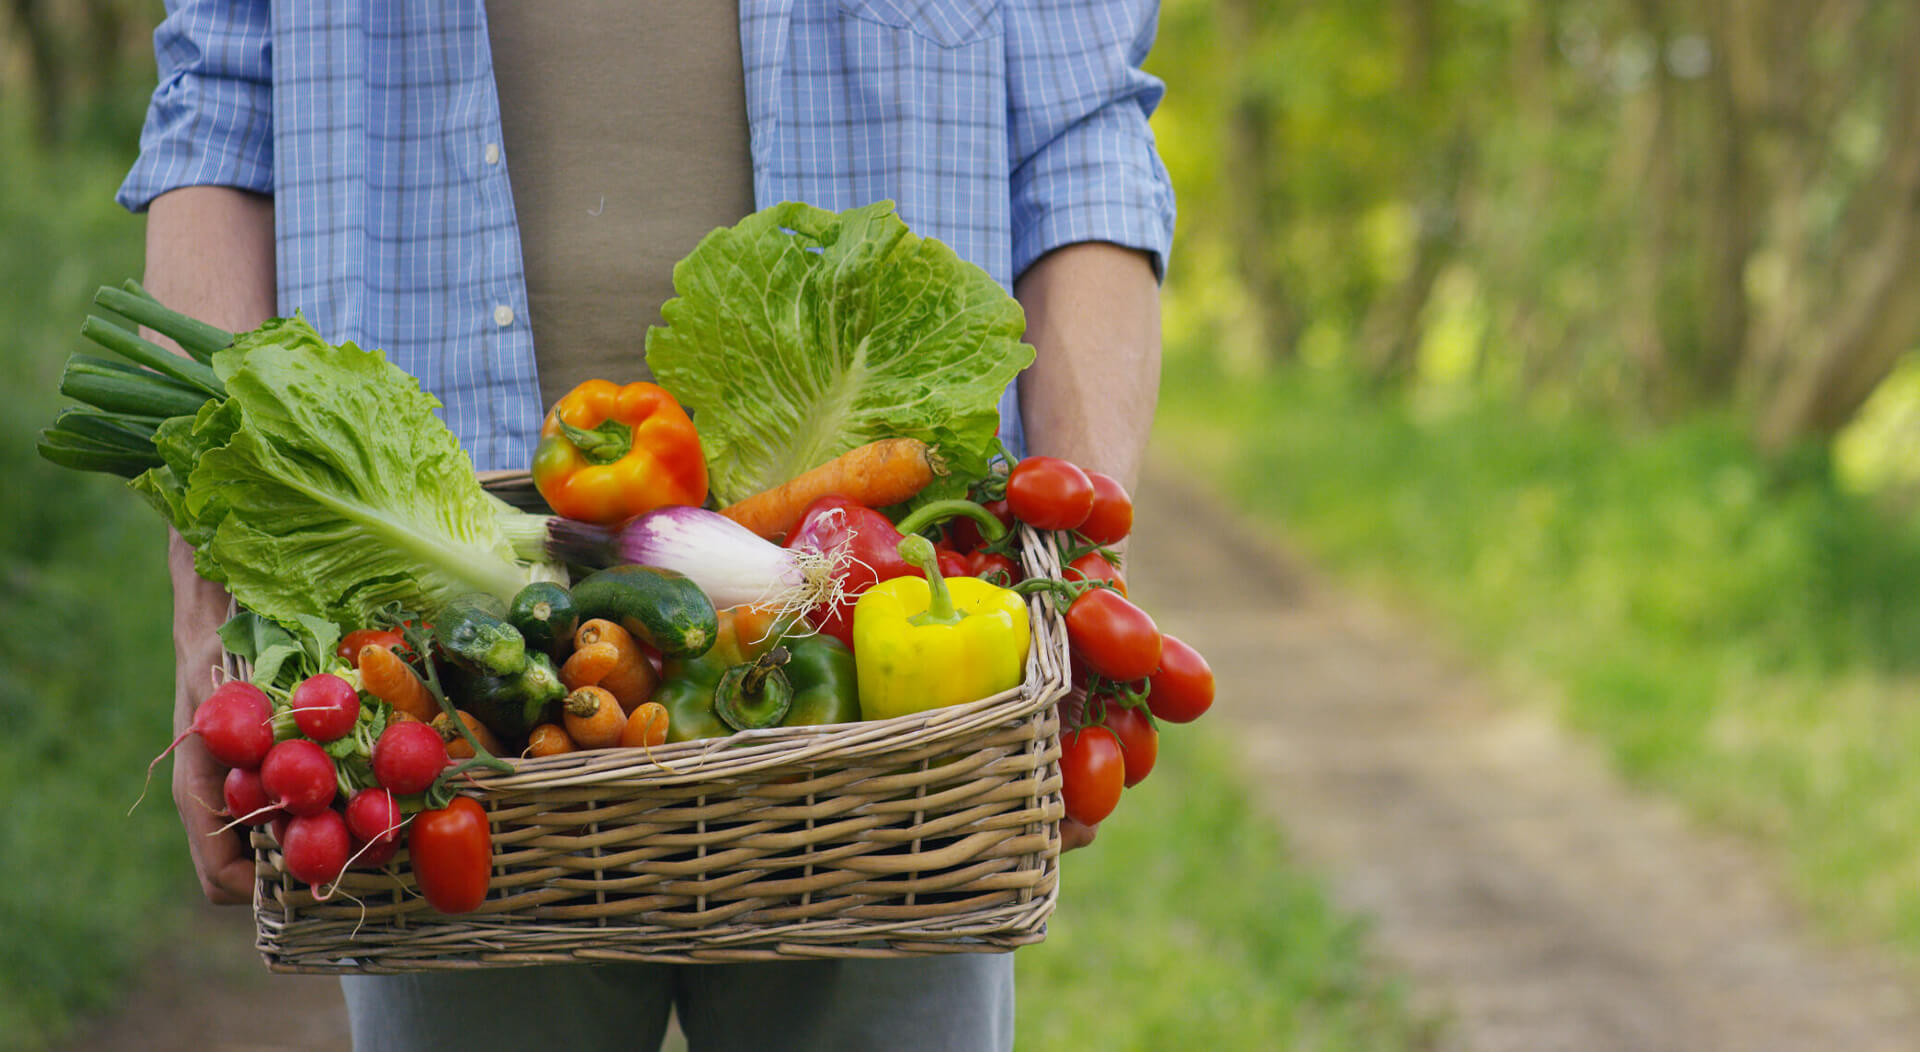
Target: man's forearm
[1093,317]
[210,255]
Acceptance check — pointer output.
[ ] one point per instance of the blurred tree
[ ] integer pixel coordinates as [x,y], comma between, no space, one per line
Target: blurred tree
[1654,205]
[77,55]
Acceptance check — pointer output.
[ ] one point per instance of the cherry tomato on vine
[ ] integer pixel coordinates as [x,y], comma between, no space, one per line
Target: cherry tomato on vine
[350,644]
[952,563]
[1048,493]
[1093,772]
[1111,518]
[985,565]
[1139,741]
[963,534]
[1094,567]
[1181,690]
[452,852]
[1117,639]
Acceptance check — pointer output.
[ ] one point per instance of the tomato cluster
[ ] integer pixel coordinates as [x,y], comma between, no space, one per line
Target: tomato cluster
[1128,674]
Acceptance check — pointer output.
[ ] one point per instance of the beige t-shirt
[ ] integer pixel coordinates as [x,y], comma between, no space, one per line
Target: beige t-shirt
[625,128]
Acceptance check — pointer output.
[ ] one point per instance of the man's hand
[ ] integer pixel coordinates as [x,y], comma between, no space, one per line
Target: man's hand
[210,255]
[220,858]
[1093,317]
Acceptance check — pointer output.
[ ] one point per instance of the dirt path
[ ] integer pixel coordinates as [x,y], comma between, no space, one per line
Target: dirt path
[1535,902]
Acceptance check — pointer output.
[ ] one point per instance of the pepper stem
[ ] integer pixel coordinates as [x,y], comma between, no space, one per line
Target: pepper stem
[940,609]
[756,694]
[603,444]
[941,510]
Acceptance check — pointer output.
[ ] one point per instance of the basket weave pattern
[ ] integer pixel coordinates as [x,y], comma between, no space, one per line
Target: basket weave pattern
[936,832]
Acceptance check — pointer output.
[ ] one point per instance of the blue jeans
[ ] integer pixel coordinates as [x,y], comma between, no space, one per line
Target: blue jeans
[960,1002]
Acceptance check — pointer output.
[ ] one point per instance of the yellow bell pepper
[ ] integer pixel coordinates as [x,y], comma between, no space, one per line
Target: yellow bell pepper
[921,644]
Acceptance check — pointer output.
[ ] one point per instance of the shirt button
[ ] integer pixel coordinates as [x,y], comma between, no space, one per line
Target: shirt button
[503,315]
[492,153]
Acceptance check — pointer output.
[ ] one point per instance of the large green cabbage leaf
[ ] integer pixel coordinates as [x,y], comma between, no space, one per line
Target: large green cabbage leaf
[799,334]
[324,485]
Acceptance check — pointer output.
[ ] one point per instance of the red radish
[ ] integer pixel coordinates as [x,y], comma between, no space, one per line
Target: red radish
[298,775]
[278,826]
[316,846]
[374,816]
[372,855]
[325,706]
[408,757]
[247,798]
[232,723]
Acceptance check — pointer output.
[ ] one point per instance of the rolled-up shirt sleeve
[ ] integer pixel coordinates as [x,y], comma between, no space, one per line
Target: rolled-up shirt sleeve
[1084,164]
[211,119]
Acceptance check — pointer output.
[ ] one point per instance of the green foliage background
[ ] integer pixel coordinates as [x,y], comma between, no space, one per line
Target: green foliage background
[86,672]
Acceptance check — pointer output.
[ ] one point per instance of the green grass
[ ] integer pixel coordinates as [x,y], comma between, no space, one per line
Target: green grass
[1186,925]
[1745,641]
[85,654]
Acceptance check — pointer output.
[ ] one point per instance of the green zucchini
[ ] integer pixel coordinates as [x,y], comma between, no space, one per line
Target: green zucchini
[474,629]
[545,615]
[661,608]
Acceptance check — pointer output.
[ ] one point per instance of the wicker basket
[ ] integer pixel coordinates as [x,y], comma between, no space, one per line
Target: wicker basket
[932,833]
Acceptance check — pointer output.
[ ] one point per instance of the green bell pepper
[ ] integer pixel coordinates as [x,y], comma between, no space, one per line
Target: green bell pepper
[753,678]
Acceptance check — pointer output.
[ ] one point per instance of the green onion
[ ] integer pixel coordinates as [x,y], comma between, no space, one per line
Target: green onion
[128,344]
[119,388]
[194,336]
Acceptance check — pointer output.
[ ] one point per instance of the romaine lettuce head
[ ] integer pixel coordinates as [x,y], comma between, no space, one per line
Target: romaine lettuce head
[325,486]
[799,334]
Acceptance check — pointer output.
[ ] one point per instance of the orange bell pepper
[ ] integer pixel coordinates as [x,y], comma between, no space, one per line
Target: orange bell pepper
[609,452]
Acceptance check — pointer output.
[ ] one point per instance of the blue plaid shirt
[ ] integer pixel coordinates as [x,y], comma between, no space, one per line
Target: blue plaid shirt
[1005,128]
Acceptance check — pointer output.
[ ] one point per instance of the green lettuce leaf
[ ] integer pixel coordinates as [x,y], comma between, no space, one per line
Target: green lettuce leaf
[799,334]
[325,486]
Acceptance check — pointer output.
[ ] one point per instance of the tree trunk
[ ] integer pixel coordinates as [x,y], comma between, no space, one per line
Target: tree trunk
[1255,209]
[1726,233]
[1390,334]
[1874,316]
[35,21]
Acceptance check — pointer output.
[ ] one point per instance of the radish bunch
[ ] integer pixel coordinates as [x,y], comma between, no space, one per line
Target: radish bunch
[326,769]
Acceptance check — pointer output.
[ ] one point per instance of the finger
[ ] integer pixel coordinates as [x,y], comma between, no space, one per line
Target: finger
[221,859]
[1076,834]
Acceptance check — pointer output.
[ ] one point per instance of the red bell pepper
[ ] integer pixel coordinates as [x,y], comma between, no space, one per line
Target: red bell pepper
[874,544]
[871,540]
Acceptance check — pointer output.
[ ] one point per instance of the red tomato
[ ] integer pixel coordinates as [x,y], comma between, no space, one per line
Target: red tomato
[1112,516]
[1094,567]
[986,565]
[1048,493]
[452,851]
[1117,639]
[952,563]
[1139,741]
[1181,690]
[350,644]
[963,534]
[1093,772]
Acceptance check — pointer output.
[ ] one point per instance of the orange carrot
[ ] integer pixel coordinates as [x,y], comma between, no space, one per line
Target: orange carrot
[386,676]
[877,474]
[631,680]
[457,746]
[587,666]
[593,718]
[646,727]
[549,739]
